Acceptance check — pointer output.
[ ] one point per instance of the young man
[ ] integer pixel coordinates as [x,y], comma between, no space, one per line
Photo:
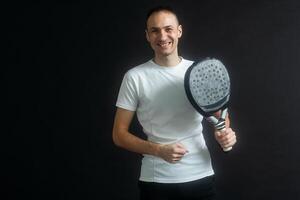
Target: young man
[175,165]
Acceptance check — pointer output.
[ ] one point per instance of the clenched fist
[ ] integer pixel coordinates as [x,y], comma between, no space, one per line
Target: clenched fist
[226,138]
[172,152]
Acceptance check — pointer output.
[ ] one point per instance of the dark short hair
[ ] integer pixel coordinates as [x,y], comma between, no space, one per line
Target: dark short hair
[160,9]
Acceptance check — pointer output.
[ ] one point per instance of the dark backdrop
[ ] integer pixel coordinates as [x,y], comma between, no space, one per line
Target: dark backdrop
[64,67]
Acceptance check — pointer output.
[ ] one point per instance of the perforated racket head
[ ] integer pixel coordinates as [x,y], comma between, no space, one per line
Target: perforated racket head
[207,86]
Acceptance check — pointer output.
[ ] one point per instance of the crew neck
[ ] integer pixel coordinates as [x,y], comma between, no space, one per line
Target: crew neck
[169,67]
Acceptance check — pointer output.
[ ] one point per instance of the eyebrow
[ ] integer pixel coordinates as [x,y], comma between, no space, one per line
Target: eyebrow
[155,28]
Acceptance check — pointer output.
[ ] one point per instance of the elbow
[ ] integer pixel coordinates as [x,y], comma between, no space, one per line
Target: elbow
[116,139]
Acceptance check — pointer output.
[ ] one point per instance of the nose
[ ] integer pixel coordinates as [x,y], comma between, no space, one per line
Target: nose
[162,35]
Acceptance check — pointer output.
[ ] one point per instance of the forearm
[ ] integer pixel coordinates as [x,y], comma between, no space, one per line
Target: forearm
[130,142]
[227,121]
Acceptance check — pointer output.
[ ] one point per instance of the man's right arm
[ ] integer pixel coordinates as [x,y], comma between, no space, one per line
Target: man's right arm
[123,138]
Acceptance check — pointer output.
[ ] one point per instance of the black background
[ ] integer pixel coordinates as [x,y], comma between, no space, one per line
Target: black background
[65,64]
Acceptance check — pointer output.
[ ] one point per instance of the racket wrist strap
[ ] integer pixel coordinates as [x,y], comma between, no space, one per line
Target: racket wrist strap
[220,125]
[213,120]
[224,113]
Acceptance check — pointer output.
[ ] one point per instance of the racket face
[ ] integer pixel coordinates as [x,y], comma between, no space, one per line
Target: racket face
[207,85]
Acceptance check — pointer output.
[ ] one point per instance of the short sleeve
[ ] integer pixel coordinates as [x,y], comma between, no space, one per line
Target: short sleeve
[128,94]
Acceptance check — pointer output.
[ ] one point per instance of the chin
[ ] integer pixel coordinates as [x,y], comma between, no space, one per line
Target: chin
[165,53]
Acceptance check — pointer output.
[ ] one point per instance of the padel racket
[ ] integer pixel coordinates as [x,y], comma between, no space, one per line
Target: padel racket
[207,85]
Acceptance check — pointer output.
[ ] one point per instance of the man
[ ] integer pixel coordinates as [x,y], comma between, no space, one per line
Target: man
[176,162]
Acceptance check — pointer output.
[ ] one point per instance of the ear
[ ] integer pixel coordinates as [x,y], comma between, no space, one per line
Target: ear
[179,31]
[147,35]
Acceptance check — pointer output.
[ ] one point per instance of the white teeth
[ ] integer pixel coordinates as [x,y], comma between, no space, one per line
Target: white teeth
[164,44]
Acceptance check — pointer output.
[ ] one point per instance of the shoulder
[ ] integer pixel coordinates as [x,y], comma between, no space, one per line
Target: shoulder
[140,70]
[187,62]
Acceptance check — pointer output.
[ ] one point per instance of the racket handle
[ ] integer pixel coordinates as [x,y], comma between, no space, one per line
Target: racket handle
[226,150]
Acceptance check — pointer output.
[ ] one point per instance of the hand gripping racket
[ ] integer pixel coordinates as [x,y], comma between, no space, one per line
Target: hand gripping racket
[207,87]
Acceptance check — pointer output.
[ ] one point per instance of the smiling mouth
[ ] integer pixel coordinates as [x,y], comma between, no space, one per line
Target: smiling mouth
[164,44]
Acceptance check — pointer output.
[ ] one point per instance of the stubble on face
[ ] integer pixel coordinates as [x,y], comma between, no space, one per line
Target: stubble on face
[163,32]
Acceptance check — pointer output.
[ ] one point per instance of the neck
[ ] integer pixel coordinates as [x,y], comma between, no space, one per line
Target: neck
[167,61]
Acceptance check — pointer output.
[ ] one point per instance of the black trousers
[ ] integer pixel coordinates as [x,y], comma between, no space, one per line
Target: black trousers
[202,189]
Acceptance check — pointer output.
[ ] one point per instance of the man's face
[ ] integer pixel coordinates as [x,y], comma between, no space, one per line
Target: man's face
[163,32]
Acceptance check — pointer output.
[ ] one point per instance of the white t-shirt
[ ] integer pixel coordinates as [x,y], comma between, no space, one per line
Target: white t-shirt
[157,95]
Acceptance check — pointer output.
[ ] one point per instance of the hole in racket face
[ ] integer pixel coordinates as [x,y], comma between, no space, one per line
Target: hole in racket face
[209,82]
